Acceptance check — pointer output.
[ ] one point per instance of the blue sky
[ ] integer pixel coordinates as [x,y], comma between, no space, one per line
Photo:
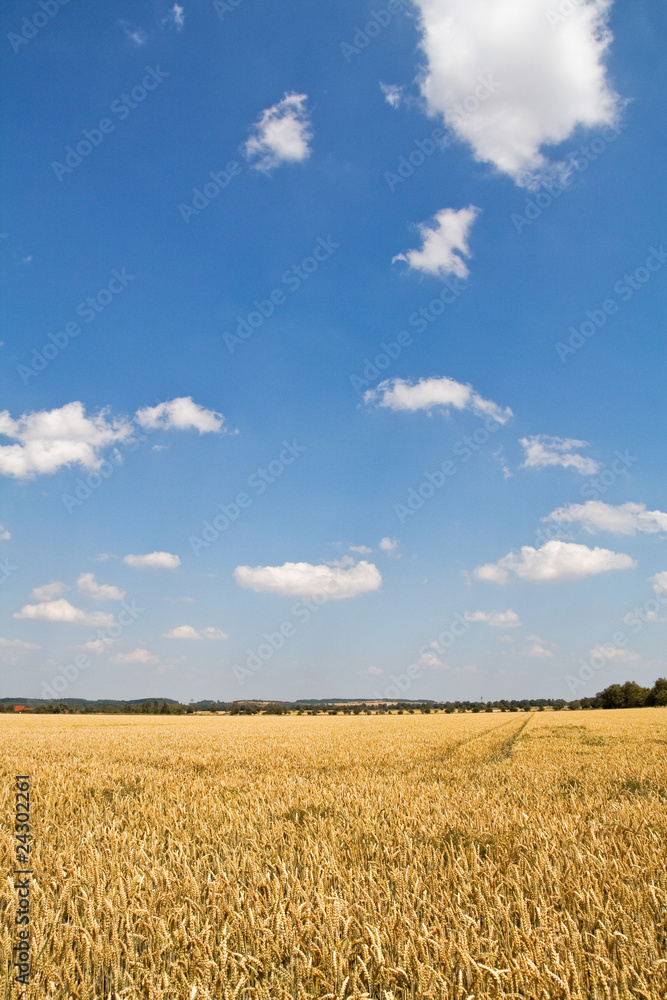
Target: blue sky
[354,371]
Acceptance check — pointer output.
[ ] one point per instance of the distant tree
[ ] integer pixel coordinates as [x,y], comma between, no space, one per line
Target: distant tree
[658,693]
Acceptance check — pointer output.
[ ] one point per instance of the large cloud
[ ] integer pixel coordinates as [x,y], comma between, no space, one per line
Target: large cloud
[281,134]
[508,77]
[180,414]
[398,394]
[153,560]
[555,560]
[303,579]
[626,519]
[444,244]
[65,613]
[49,439]
[542,450]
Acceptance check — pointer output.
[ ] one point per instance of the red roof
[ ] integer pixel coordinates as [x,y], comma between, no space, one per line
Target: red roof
[22,708]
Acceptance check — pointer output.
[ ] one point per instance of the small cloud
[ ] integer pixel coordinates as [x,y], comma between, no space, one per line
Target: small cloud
[136,35]
[137,656]
[4,534]
[429,661]
[49,591]
[444,245]
[542,450]
[399,394]
[659,581]
[506,639]
[188,632]
[175,17]
[153,560]
[537,648]
[89,586]
[16,644]
[25,260]
[613,653]
[64,613]
[96,646]
[305,580]
[180,414]
[496,619]
[393,94]
[499,457]
[363,550]
[281,134]
[390,546]
[375,671]
[555,560]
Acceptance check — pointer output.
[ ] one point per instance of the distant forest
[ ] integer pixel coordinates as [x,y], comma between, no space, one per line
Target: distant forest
[628,695]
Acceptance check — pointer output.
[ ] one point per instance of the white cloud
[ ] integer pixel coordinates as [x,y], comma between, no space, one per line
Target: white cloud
[614,653]
[626,519]
[137,656]
[16,644]
[509,81]
[136,35]
[392,93]
[496,619]
[176,16]
[89,586]
[64,612]
[398,394]
[281,134]
[444,244]
[659,581]
[555,560]
[96,646]
[180,414]
[49,591]
[50,439]
[390,546]
[303,579]
[4,534]
[539,652]
[153,560]
[506,639]
[429,661]
[375,671]
[188,632]
[542,450]
[363,550]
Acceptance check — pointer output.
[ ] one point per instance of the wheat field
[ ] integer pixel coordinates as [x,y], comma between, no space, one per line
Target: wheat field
[283,858]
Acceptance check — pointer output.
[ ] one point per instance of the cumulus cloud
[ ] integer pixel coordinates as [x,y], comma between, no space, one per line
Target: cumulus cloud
[363,550]
[509,79]
[555,560]
[398,394]
[429,661]
[537,648]
[496,619]
[542,450]
[49,591]
[176,17]
[47,440]
[614,653]
[64,612]
[444,244]
[153,560]
[88,585]
[137,656]
[375,671]
[281,134]
[180,414]
[4,534]
[625,519]
[389,545]
[659,581]
[303,579]
[188,632]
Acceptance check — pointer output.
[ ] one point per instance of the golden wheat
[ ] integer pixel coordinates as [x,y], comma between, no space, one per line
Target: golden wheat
[390,857]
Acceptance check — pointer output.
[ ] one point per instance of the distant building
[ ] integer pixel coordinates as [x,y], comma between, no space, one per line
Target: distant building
[23,708]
